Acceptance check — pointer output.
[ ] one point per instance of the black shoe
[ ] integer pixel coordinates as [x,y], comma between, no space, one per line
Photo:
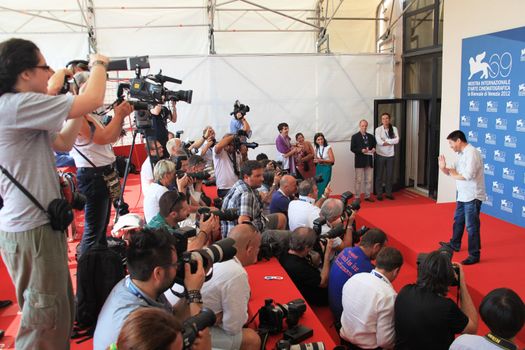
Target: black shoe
[379,198]
[470,261]
[390,197]
[368,199]
[447,245]
[5,303]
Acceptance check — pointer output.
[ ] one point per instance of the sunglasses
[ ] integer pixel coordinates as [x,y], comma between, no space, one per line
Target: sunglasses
[45,67]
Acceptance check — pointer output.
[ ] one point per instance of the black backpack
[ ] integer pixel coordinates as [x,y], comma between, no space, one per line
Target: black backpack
[98,271]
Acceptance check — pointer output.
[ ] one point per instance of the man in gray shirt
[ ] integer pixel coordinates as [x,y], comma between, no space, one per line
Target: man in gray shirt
[470,185]
[35,254]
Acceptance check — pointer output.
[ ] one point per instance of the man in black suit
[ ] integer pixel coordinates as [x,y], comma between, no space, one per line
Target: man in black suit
[363,145]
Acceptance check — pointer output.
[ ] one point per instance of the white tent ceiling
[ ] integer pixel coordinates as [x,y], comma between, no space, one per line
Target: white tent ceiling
[189,27]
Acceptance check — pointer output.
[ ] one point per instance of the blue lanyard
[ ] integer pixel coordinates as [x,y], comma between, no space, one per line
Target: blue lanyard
[131,287]
[373,272]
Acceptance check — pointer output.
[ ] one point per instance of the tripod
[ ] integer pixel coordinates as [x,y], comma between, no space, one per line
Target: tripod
[148,133]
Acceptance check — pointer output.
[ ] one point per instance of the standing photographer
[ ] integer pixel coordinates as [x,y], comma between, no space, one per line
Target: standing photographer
[95,161]
[226,161]
[424,317]
[160,116]
[34,253]
[239,123]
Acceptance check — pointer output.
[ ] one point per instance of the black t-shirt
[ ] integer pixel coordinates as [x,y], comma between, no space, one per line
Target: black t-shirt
[425,320]
[306,278]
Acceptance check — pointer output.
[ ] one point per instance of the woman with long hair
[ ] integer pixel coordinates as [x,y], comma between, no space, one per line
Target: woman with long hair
[386,137]
[304,158]
[324,160]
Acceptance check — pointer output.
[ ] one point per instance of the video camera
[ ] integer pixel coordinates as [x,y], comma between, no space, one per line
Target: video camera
[193,325]
[239,108]
[220,251]
[237,141]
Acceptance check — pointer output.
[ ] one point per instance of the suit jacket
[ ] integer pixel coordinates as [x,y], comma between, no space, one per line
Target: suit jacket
[357,144]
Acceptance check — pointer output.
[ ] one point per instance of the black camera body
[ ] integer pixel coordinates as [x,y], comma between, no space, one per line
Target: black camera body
[239,108]
[220,251]
[224,215]
[271,316]
[448,253]
[239,140]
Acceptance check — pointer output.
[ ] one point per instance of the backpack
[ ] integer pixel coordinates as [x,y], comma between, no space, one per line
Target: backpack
[98,271]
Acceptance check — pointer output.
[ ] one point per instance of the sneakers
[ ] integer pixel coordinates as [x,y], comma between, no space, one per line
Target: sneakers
[447,245]
[470,261]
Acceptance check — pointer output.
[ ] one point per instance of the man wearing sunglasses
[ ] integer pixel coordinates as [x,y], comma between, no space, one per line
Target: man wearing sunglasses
[35,254]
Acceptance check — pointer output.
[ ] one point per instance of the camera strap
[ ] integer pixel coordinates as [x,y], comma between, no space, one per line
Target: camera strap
[23,189]
[84,156]
[501,342]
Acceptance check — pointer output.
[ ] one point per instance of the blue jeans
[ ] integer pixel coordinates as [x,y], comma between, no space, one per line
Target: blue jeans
[467,213]
[97,209]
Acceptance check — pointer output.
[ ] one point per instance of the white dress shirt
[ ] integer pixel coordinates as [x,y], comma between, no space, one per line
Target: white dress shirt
[470,165]
[302,212]
[228,292]
[368,311]
[381,135]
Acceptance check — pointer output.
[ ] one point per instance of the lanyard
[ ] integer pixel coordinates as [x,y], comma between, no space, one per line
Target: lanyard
[503,343]
[131,287]
[320,152]
[378,275]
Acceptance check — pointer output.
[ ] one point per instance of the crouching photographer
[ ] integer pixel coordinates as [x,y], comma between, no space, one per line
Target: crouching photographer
[425,318]
[152,264]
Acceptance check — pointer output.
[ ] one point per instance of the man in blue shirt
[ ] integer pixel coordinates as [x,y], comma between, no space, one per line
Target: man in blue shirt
[281,198]
[352,261]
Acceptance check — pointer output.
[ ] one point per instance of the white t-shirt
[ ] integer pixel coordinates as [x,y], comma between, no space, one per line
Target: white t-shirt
[29,123]
[146,174]
[152,196]
[225,177]
[302,212]
[100,155]
[228,291]
[368,311]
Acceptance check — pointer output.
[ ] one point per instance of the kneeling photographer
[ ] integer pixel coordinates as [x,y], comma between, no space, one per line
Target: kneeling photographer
[227,293]
[425,318]
[174,208]
[152,264]
[310,279]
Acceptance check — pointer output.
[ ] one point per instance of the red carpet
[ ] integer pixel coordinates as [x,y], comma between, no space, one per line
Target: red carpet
[413,224]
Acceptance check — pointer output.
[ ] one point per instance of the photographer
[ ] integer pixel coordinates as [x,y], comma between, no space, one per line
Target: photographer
[334,212]
[164,174]
[424,317]
[303,211]
[156,152]
[173,208]
[204,146]
[95,160]
[196,165]
[239,123]
[30,122]
[152,265]
[350,262]
[310,281]
[244,197]
[226,161]
[160,116]
[281,198]
[227,293]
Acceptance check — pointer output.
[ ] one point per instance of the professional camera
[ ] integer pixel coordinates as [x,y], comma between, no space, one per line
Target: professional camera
[239,108]
[193,325]
[220,251]
[271,315]
[182,234]
[357,234]
[448,253]
[237,143]
[352,207]
[200,175]
[225,215]
[337,231]
[285,345]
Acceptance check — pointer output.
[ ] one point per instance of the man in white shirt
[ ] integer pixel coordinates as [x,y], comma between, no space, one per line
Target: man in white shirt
[226,161]
[228,291]
[387,137]
[303,211]
[368,304]
[470,185]
[164,175]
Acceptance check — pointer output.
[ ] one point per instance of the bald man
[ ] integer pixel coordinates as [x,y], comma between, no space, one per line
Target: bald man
[281,198]
[227,293]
